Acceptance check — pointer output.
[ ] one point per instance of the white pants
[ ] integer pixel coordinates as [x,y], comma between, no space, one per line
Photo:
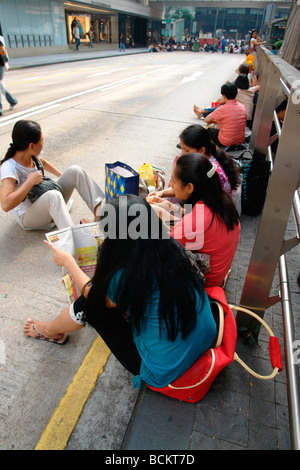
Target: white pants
[51,206]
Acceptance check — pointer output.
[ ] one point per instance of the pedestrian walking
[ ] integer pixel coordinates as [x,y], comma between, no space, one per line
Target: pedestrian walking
[91,36]
[76,35]
[73,24]
[4,66]
[122,43]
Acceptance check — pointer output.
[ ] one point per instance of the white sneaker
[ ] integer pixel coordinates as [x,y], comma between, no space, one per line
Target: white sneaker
[11,106]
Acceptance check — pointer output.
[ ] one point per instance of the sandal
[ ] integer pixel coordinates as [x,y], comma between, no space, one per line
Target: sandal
[61,340]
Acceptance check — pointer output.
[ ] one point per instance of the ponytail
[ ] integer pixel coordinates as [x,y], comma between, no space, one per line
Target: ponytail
[231,169]
[196,136]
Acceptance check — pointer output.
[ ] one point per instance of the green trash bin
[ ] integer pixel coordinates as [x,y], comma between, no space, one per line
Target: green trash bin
[196,47]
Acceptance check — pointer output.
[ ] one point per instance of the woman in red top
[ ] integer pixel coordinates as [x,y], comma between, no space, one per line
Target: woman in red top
[210,226]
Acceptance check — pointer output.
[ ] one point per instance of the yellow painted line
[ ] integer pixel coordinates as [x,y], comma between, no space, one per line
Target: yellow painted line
[64,419]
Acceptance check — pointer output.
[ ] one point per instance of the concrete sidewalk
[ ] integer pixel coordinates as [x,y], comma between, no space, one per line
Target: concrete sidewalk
[99,51]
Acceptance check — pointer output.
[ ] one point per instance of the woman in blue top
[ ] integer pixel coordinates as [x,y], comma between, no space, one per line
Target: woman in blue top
[145,300]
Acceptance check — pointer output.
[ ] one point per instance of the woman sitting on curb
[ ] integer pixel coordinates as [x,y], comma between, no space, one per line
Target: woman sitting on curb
[145,300]
[21,172]
[210,224]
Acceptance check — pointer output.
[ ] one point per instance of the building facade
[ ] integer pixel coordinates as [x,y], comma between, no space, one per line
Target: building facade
[236,22]
[30,27]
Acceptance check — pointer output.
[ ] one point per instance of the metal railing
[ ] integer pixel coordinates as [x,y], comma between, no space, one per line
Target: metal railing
[29,40]
[292,370]
[279,81]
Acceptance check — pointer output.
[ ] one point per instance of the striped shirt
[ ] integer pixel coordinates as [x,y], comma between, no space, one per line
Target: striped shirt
[231,118]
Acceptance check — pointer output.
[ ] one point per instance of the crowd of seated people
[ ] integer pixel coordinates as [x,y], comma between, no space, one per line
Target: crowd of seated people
[147,300]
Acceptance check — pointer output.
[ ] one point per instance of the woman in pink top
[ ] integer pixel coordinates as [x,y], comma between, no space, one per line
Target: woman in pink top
[211,227]
[195,139]
[231,119]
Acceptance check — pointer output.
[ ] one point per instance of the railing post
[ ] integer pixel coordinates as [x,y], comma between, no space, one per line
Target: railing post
[267,96]
[292,369]
[283,183]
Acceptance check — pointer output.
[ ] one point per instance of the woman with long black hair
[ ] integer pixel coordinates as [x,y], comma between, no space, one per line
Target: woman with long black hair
[212,227]
[196,139]
[254,42]
[145,300]
[210,224]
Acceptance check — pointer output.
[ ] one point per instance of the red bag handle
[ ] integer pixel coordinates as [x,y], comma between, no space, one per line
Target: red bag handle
[274,348]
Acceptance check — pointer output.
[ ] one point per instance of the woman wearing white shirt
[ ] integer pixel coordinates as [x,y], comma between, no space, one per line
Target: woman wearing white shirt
[253,43]
[21,171]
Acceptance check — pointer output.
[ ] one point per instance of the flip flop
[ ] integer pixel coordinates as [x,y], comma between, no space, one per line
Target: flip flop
[63,339]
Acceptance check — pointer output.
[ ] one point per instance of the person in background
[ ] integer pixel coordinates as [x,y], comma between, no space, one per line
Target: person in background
[3,66]
[73,24]
[76,34]
[230,119]
[203,112]
[90,35]
[246,96]
[122,42]
[254,42]
[280,112]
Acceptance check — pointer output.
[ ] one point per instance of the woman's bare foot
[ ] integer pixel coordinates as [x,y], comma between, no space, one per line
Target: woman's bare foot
[198,111]
[40,332]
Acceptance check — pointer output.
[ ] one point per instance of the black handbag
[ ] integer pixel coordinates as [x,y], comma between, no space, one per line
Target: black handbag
[47,184]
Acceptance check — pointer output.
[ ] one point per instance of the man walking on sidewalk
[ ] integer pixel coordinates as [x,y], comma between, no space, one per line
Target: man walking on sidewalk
[76,34]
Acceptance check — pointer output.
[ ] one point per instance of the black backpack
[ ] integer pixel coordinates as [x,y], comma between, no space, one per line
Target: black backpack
[256,174]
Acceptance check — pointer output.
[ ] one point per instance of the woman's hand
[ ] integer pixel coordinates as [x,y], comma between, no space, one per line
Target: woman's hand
[165,204]
[156,194]
[60,257]
[34,178]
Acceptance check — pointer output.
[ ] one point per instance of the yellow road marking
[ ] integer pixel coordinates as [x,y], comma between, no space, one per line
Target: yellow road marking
[64,419]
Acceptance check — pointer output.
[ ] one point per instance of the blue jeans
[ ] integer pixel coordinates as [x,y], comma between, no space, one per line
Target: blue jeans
[77,42]
[9,97]
[122,46]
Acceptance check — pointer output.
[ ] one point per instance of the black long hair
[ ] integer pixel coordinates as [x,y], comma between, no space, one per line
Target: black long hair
[193,168]
[24,132]
[251,35]
[196,136]
[147,263]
